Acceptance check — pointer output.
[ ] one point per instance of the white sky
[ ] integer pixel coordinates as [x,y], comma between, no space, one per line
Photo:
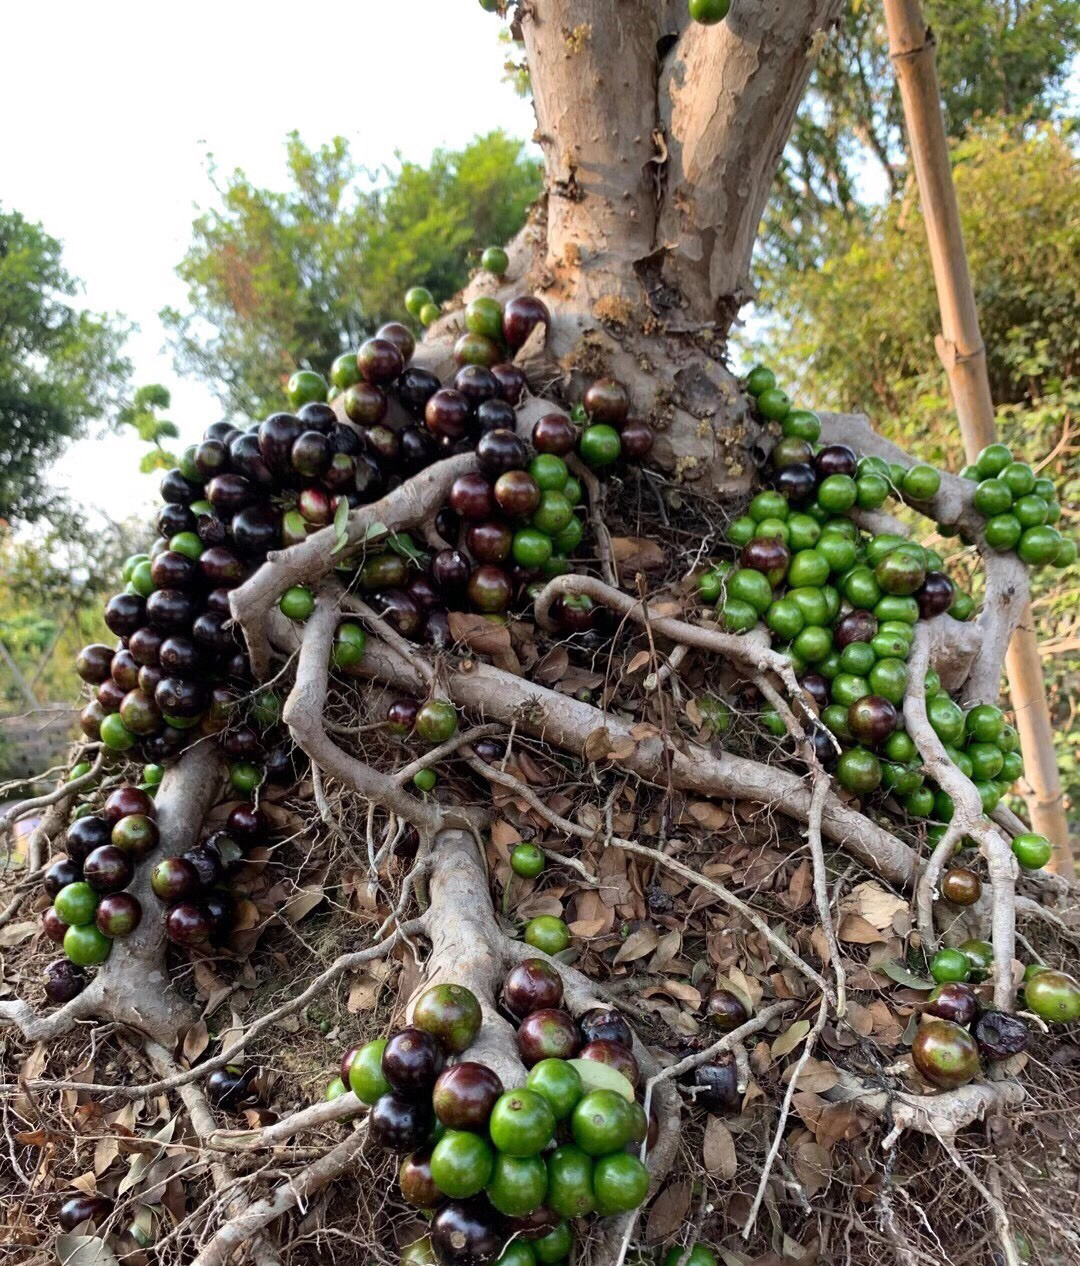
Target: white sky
[110,109]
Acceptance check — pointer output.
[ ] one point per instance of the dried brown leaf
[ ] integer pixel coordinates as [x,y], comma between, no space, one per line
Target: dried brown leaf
[668,1211]
[718,1150]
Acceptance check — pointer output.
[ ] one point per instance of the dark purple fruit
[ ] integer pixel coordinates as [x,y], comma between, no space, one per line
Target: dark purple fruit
[856,626]
[86,834]
[401,337]
[211,529]
[60,874]
[221,908]
[872,719]
[173,519]
[500,451]
[464,1096]
[170,610]
[53,926]
[108,869]
[384,445]
[512,382]
[245,822]
[548,1034]
[489,542]
[414,388]
[380,361]
[317,416]
[936,595]
[123,801]
[715,1085]
[607,401]
[277,435]
[399,1124]
[602,1025]
[229,494]
[767,554]
[412,1061]
[494,415]
[145,646]
[189,925]
[90,719]
[467,1233]
[229,1089]
[180,657]
[817,687]
[400,611]
[520,317]
[124,613]
[953,1001]
[422,590]
[517,493]
[110,695]
[93,663]
[471,497]
[450,571]
[247,460]
[221,567]
[638,439]
[118,914]
[797,484]
[1000,1035]
[174,879]
[725,1011]
[446,414]
[836,459]
[615,1055]
[476,383]
[554,433]
[81,1209]
[211,458]
[417,448]
[214,633]
[416,1183]
[255,530]
[177,697]
[175,488]
[124,669]
[533,985]
[64,981]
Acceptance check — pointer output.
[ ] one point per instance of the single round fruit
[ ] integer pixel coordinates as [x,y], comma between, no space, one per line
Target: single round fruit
[495,260]
[398,1124]
[518,1184]
[559,1083]
[960,886]
[412,1061]
[859,771]
[76,904]
[725,1010]
[451,1014]
[1053,996]
[467,1233]
[547,933]
[522,1123]
[521,316]
[953,1001]
[108,869]
[436,721]
[297,603]
[569,1182]
[547,1034]
[602,1122]
[599,446]
[416,1181]
[945,1054]
[365,1074]
[950,964]
[461,1164]
[620,1182]
[527,860]
[86,945]
[533,985]
[872,719]
[464,1096]
[79,1209]
[1032,851]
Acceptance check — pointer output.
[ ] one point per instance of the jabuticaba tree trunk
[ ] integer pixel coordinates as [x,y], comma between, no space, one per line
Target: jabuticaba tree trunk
[661,138]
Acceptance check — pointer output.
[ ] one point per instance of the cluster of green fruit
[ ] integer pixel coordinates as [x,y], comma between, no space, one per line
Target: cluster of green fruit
[490,1165]
[1020,509]
[956,1032]
[419,301]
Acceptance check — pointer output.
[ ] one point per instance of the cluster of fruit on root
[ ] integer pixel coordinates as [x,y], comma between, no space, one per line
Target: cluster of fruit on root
[502,1172]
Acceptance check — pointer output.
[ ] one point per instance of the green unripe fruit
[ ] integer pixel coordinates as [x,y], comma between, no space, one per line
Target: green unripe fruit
[741,530]
[859,771]
[1053,997]
[774,404]
[305,387]
[992,460]
[429,314]
[837,493]
[86,945]
[436,721]
[921,483]
[345,372]
[75,904]
[416,299]
[1031,850]
[527,860]
[115,734]
[950,964]
[495,260]
[599,446]
[760,379]
[708,13]
[365,1072]
[802,424]
[425,780]
[484,315]
[547,933]
[297,603]
[737,616]
[461,1164]
[1038,546]
[1019,478]
[992,497]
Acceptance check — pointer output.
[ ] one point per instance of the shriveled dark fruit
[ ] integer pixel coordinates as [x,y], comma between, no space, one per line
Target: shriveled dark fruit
[715,1085]
[945,1054]
[725,1010]
[533,985]
[206,864]
[79,1209]
[615,1055]
[464,1096]
[451,1014]
[227,1088]
[417,1185]
[953,1001]
[64,981]
[399,1124]
[961,886]
[86,834]
[606,1025]
[60,874]
[468,1233]
[548,1034]
[413,1061]
[1001,1035]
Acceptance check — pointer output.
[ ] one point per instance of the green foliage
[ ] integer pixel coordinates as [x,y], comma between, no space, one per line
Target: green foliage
[858,333]
[285,280]
[60,368]
[141,413]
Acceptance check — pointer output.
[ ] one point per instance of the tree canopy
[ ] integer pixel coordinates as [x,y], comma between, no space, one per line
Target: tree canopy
[60,367]
[279,280]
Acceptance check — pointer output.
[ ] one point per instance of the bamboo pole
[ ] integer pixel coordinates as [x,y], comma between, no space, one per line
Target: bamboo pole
[963,353]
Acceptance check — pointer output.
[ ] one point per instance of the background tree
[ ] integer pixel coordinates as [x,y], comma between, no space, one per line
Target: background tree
[61,368]
[285,280]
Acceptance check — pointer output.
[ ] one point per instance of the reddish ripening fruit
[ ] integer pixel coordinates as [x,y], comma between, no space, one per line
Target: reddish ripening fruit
[451,1014]
[173,879]
[715,1085]
[401,337]
[125,670]
[961,886]
[604,1025]
[364,404]
[380,361]
[725,1010]
[767,554]
[446,414]
[53,926]
[489,542]
[616,1055]
[945,1054]
[520,317]
[108,869]
[872,719]
[471,497]
[953,1001]
[517,493]
[136,834]
[401,716]
[607,401]
[189,925]
[548,1034]
[533,985]
[64,981]
[145,646]
[110,695]
[399,1124]
[417,1185]
[856,626]
[118,914]
[412,1061]
[464,1096]
[245,822]
[638,438]
[554,433]
[489,589]
[81,1209]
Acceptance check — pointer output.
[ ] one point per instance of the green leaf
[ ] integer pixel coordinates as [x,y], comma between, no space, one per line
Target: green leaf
[899,973]
[790,1038]
[341,526]
[403,544]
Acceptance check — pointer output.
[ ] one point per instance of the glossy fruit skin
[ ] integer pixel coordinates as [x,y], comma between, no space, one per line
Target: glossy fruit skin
[521,1123]
[412,1061]
[489,542]
[465,1094]
[570,1191]
[124,613]
[364,1072]
[489,589]
[451,1014]
[700,1255]
[436,721]
[559,1083]
[189,925]
[53,926]
[859,771]
[709,12]
[499,451]
[953,1001]
[1000,1035]
[518,1185]
[60,874]
[416,1182]
[401,716]
[399,1124]
[548,1034]
[75,903]
[945,1054]
[599,446]
[960,886]
[80,1209]
[521,316]
[446,414]
[533,985]
[108,869]
[93,663]
[1031,850]
[949,964]
[615,1055]
[174,879]
[554,433]
[450,570]
[461,1164]
[872,719]
[471,497]
[725,1010]
[547,933]
[86,945]
[607,400]
[517,494]
[467,1233]
[1054,997]
[84,835]
[620,1183]
[602,1122]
